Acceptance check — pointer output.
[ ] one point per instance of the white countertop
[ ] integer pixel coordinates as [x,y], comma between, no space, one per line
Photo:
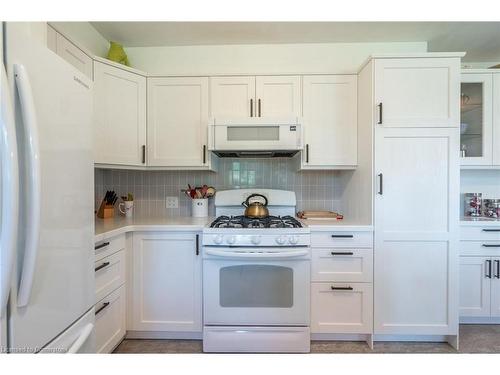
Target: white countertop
[106,228]
[480,221]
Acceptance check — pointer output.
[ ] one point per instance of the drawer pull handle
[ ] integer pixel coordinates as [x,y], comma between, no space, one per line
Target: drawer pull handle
[341,287]
[491,230]
[490,245]
[342,236]
[342,253]
[104,244]
[104,305]
[105,264]
[497,272]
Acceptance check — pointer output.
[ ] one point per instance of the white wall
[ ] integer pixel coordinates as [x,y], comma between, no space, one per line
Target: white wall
[84,35]
[261,59]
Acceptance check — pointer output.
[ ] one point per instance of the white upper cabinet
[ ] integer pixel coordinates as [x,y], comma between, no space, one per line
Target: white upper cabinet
[476,119]
[178,121]
[278,96]
[418,92]
[330,121]
[250,96]
[69,52]
[120,116]
[496,119]
[232,96]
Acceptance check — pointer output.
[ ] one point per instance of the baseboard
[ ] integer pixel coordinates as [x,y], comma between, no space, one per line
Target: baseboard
[158,335]
[339,337]
[479,320]
[409,338]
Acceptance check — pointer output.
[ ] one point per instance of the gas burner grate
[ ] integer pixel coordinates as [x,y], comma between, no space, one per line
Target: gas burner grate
[246,222]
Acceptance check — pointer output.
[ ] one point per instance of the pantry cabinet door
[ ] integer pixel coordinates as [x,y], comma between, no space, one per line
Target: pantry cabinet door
[166,283]
[177,121]
[232,96]
[416,231]
[474,287]
[278,96]
[120,116]
[420,92]
[330,121]
[496,119]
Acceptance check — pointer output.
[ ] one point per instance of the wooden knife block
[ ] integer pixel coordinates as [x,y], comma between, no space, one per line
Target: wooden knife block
[106,211]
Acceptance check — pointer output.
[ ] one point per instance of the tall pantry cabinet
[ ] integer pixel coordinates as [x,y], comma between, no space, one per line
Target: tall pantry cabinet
[414,107]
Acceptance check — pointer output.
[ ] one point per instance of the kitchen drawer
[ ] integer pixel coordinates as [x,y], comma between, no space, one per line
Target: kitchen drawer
[109,246]
[109,274]
[341,239]
[345,265]
[479,233]
[110,321]
[480,248]
[341,311]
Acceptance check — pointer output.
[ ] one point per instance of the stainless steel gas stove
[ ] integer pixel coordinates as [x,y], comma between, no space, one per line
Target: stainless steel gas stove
[256,277]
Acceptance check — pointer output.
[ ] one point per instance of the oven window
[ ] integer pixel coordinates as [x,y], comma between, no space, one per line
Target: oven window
[253,133]
[256,285]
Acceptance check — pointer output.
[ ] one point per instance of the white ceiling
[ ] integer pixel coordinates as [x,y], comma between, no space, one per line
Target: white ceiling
[481,40]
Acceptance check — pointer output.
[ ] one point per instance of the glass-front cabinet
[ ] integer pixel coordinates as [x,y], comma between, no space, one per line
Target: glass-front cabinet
[476,119]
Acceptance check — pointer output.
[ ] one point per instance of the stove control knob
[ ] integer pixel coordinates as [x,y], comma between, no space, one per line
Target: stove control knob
[218,239]
[294,240]
[231,240]
[255,240]
[281,240]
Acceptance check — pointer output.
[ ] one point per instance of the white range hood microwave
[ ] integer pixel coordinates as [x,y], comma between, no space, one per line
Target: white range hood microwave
[255,137]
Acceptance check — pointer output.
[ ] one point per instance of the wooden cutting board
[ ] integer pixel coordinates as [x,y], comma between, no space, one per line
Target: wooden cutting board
[319,215]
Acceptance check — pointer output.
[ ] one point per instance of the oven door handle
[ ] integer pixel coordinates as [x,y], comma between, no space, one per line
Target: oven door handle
[270,255]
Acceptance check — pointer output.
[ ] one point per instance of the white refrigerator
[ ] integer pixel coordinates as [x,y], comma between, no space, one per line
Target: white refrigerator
[47,178]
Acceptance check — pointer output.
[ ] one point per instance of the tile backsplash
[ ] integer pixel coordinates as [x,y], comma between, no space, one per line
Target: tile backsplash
[314,189]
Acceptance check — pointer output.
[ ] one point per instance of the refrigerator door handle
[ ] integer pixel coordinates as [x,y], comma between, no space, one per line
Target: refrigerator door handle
[10,190]
[33,188]
[84,335]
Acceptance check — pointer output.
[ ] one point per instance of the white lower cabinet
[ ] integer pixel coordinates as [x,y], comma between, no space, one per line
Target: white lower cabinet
[342,283]
[110,320]
[341,308]
[110,292]
[166,282]
[474,287]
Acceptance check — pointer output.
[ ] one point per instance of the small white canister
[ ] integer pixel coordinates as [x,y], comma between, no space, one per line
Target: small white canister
[200,207]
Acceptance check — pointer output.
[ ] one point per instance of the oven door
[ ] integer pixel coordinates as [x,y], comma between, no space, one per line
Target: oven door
[256,288]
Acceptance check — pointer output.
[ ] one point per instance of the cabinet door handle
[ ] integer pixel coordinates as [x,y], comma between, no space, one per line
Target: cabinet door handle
[258,103]
[341,287]
[491,230]
[497,271]
[104,305]
[143,154]
[379,113]
[104,265]
[490,245]
[197,244]
[380,184]
[100,246]
[342,235]
[342,253]
[307,153]
[251,107]
[488,269]
[204,154]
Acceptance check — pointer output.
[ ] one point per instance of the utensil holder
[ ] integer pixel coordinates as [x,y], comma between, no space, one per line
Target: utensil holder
[199,207]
